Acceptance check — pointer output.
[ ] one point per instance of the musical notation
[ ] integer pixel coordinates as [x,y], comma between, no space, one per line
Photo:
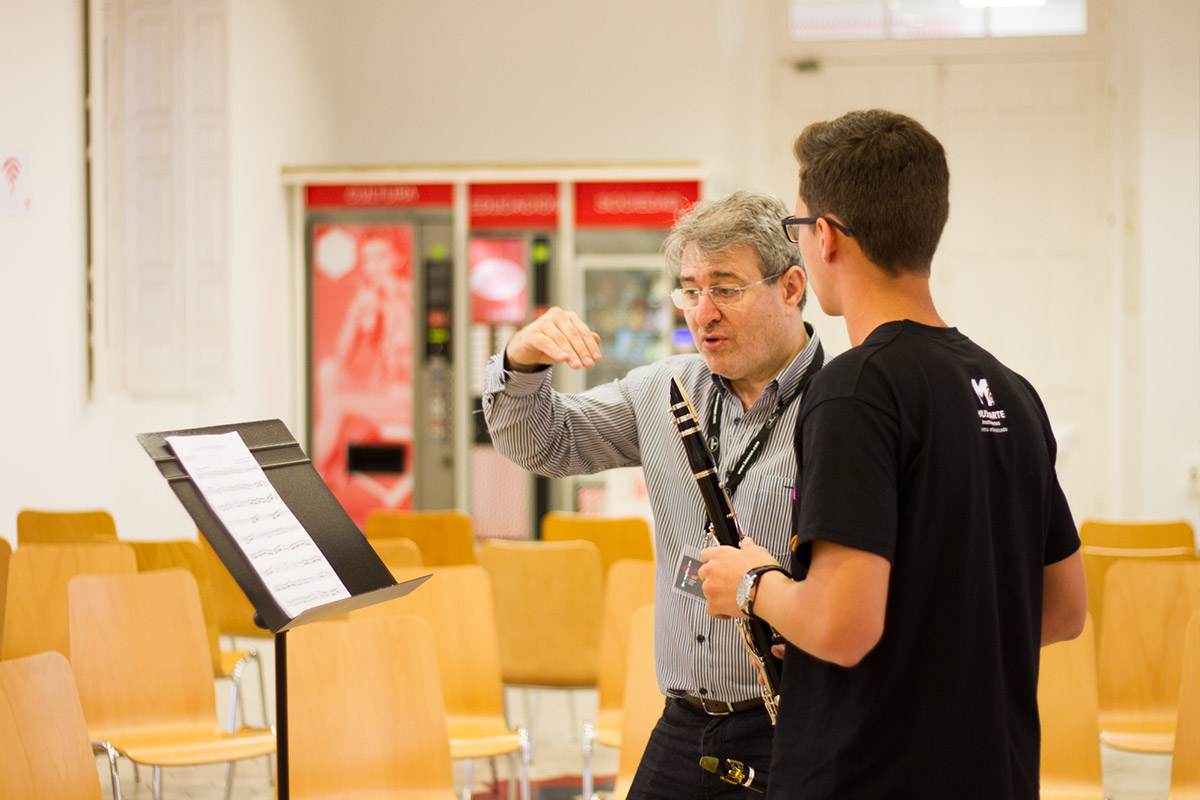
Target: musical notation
[292,567]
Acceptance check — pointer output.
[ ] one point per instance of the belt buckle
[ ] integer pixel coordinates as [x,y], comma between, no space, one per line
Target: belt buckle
[718,711]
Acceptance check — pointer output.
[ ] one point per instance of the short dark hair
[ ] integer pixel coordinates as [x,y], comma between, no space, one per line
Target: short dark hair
[884,176]
[716,226]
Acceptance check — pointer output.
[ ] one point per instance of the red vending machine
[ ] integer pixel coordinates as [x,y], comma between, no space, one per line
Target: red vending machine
[380,383]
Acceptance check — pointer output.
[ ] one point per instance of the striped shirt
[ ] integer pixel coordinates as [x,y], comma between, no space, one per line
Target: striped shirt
[628,423]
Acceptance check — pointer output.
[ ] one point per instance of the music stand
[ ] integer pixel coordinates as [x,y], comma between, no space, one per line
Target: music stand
[348,552]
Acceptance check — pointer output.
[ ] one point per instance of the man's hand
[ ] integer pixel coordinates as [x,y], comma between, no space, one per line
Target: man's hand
[722,571]
[553,338]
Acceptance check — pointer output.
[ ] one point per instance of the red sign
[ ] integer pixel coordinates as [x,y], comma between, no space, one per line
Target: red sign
[499,281]
[646,204]
[514,205]
[380,195]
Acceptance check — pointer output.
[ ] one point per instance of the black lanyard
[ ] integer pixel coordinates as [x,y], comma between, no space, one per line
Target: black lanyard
[753,450]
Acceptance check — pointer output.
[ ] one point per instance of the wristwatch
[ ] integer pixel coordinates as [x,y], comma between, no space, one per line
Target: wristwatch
[748,586]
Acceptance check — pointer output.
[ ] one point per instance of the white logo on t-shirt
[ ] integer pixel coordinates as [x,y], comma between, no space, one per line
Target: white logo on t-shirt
[993,421]
[982,391]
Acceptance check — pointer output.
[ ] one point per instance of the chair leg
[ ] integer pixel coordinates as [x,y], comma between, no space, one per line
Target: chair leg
[158,783]
[111,753]
[468,778]
[531,710]
[526,756]
[589,738]
[230,766]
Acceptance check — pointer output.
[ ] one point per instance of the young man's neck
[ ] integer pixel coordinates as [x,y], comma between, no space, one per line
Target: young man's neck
[879,298]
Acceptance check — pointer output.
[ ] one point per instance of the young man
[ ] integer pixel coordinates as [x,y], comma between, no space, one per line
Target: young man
[934,551]
[741,288]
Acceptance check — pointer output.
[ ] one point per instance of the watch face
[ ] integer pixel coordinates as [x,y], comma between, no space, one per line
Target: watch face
[743,592]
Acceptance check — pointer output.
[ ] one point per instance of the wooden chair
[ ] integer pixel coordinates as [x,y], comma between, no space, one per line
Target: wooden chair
[444,537]
[144,671]
[234,611]
[550,596]
[397,553]
[5,557]
[43,736]
[628,585]
[1106,542]
[457,604]
[643,700]
[1185,764]
[227,664]
[1147,610]
[1069,706]
[617,537]
[365,711]
[64,527]
[36,608]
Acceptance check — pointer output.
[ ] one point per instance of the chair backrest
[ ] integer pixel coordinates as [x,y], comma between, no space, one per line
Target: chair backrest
[396,553]
[47,755]
[1148,607]
[1070,712]
[643,700]
[457,605]
[1185,764]
[139,652]
[36,609]
[184,553]
[365,710]
[550,596]
[617,537]
[1097,560]
[628,585]
[1134,534]
[233,610]
[63,527]
[5,557]
[444,537]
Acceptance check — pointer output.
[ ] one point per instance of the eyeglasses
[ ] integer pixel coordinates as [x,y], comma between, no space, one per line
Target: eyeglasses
[791,226]
[721,295]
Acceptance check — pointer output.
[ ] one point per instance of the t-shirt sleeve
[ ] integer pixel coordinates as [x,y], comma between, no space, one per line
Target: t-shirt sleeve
[847,451]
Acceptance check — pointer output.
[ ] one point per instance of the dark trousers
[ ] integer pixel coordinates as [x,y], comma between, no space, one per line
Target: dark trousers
[670,767]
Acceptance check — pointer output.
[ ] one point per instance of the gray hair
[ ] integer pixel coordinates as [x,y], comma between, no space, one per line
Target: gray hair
[714,227]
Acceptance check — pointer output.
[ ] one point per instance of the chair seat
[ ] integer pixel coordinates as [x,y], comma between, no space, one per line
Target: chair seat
[175,747]
[1069,793]
[1143,741]
[609,737]
[483,746]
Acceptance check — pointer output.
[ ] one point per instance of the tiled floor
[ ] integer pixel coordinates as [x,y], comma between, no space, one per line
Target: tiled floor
[559,717]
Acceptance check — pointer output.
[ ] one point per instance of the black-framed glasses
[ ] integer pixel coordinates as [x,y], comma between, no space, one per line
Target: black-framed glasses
[791,226]
[721,295]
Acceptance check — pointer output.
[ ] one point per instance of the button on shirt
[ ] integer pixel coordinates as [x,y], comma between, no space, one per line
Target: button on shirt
[628,423]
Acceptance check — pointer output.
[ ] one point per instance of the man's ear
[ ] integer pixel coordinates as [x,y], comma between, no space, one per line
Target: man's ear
[827,240]
[794,281]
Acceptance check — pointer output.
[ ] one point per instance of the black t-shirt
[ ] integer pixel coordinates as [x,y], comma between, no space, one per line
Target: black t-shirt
[920,446]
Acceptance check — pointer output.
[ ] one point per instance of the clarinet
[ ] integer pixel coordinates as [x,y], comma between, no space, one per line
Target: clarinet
[724,529]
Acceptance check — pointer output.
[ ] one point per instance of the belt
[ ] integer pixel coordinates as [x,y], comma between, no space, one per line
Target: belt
[719,708]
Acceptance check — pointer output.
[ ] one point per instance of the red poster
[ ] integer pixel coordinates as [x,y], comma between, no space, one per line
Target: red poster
[641,204]
[380,195]
[362,363]
[499,281]
[513,205]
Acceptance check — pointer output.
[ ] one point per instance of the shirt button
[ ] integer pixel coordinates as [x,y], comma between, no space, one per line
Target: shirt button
[700,638]
[702,692]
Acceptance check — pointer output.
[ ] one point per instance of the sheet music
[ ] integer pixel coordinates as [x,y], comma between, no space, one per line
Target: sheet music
[294,569]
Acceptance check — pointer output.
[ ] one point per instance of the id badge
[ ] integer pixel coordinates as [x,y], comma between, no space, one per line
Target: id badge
[686,580]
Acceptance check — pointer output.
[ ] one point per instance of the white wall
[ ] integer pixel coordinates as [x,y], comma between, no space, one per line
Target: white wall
[402,82]
[1161,81]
